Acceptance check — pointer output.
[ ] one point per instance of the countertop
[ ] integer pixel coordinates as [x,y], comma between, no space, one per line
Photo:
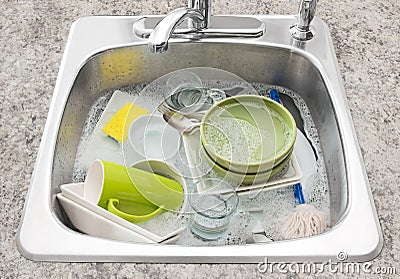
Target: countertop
[33,36]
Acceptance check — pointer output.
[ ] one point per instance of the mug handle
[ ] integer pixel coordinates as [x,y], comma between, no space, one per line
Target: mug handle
[112,207]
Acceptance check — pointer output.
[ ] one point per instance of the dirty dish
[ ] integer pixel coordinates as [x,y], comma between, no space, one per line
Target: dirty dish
[306,158]
[152,138]
[185,92]
[131,193]
[199,166]
[244,178]
[212,207]
[248,133]
[74,192]
[93,224]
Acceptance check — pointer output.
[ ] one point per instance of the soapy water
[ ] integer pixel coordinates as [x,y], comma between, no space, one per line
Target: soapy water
[244,141]
[277,204]
[235,139]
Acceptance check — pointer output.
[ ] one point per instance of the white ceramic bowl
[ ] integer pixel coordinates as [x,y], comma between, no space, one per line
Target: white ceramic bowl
[152,138]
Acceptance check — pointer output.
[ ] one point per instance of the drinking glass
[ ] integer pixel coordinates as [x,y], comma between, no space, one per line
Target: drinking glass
[212,207]
[186,94]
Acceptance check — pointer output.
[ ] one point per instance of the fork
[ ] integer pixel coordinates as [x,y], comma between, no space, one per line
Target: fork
[178,121]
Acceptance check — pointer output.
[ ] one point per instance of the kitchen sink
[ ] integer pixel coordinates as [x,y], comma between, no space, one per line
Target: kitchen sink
[103,54]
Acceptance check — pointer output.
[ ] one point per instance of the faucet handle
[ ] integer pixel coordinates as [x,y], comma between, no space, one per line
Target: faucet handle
[301,30]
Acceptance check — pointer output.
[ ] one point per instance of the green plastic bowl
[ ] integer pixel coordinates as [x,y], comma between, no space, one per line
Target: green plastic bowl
[245,178]
[244,117]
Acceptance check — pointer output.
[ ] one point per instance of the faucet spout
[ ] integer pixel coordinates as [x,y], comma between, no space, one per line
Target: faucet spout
[158,39]
[200,24]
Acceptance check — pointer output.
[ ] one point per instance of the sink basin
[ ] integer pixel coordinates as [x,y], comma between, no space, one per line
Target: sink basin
[98,43]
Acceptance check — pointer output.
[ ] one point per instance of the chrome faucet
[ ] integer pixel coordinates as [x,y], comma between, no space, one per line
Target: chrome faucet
[301,30]
[158,39]
[200,24]
[198,14]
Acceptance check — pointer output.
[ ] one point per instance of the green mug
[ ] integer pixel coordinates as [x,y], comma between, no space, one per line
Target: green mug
[130,193]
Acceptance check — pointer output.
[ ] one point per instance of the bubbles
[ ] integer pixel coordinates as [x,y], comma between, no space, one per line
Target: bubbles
[247,134]
[277,204]
[79,173]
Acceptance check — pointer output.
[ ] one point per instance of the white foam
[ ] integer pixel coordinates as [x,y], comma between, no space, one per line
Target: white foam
[277,204]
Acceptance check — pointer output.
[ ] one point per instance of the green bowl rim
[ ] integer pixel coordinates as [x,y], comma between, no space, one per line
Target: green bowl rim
[270,103]
[247,179]
[284,159]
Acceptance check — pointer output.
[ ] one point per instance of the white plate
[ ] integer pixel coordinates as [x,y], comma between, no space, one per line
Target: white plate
[305,156]
[74,192]
[90,223]
[292,176]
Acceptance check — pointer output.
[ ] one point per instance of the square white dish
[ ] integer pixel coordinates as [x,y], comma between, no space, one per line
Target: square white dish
[292,176]
[74,192]
[90,223]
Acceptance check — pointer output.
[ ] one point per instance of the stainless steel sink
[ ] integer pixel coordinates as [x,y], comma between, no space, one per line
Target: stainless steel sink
[96,43]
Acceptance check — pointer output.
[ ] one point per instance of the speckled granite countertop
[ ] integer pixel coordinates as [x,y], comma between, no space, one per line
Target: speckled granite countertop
[33,36]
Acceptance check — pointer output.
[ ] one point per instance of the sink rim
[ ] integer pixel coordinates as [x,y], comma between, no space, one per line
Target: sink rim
[229,254]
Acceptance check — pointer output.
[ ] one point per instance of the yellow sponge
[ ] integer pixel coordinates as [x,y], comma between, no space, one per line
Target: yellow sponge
[118,125]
